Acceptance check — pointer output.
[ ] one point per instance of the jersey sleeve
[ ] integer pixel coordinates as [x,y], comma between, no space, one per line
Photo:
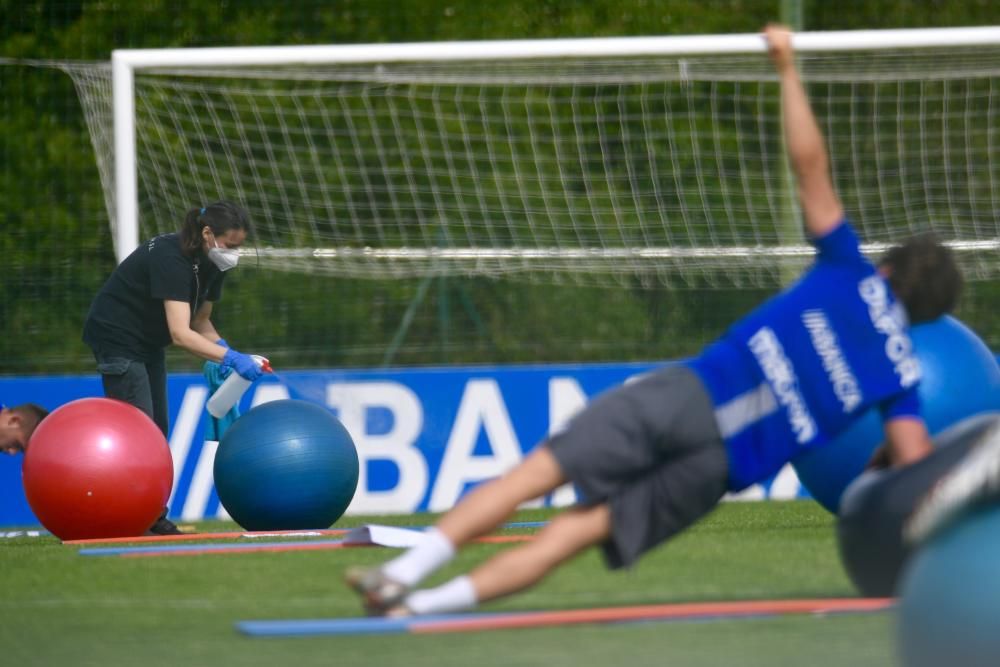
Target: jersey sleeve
[906,404]
[839,245]
[169,274]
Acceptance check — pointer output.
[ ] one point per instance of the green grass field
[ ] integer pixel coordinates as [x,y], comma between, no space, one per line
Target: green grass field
[60,608]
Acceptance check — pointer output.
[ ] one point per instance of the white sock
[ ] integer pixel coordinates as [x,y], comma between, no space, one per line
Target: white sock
[417,562]
[456,595]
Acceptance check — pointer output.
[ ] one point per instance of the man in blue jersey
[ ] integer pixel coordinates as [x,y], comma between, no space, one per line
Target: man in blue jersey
[652,457]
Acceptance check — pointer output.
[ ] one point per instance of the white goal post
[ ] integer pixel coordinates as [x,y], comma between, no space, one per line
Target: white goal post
[617,156]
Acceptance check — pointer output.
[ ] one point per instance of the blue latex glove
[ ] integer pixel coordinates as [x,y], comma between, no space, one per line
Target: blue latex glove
[215,375]
[242,364]
[223,371]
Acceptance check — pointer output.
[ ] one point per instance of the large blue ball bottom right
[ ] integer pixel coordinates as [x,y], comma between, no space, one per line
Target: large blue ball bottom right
[949,604]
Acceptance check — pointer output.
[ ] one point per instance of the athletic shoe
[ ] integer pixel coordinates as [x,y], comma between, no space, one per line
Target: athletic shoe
[164,526]
[380,595]
[974,481]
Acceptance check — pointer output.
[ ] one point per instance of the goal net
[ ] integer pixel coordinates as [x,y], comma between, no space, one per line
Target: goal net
[598,169]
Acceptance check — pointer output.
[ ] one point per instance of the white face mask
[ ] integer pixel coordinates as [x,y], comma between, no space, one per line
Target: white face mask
[224,258]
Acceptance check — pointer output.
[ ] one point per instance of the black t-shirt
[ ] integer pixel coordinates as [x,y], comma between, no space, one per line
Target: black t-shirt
[127,317]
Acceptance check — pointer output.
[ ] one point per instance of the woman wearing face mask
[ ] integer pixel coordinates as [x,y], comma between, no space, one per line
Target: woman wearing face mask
[162,294]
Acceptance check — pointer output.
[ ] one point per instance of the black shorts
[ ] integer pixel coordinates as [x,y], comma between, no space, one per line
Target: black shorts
[652,450]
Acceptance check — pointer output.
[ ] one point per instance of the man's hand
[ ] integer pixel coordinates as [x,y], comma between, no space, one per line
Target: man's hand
[779,46]
[880,459]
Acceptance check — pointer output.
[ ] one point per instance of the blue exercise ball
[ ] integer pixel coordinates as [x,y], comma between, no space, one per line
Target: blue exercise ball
[286,465]
[950,596]
[960,378]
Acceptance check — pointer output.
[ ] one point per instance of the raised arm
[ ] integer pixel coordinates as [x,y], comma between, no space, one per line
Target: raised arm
[821,208]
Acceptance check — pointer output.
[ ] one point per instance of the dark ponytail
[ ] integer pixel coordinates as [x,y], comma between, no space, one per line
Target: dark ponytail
[220,217]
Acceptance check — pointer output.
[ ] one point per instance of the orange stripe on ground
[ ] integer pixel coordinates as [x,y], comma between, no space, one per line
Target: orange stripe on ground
[187,537]
[653,612]
[191,537]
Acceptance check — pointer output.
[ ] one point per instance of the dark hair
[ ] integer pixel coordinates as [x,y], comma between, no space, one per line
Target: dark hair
[220,217]
[924,276]
[30,414]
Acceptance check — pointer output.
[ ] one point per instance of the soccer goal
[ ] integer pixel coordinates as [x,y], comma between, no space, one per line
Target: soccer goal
[657,159]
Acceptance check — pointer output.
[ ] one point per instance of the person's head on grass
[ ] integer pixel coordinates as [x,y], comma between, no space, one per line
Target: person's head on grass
[17,424]
[924,276]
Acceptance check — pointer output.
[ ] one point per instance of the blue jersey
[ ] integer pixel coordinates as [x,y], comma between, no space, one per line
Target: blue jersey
[804,365]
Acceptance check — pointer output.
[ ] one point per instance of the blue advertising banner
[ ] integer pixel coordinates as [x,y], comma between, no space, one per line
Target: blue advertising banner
[424,436]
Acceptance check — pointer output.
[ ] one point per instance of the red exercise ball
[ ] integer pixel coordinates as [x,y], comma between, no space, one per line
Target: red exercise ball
[96,468]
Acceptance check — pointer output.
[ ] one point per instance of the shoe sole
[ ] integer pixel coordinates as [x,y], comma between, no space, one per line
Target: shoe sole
[374,602]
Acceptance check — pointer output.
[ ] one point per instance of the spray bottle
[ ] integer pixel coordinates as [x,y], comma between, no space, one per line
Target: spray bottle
[232,390]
